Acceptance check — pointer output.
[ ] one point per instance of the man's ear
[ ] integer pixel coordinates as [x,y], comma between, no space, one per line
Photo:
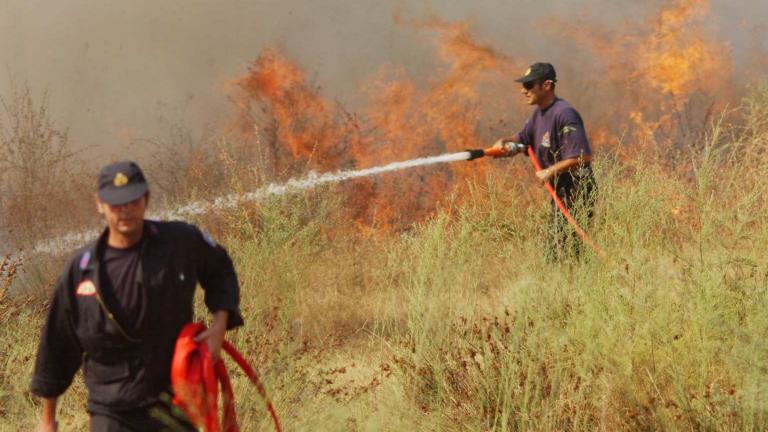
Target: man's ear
[99,204]
[146,197]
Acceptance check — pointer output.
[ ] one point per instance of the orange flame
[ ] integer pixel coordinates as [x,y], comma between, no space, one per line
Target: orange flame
[402,122]
[677,58]
[303,123]
[444,116]
[654,70]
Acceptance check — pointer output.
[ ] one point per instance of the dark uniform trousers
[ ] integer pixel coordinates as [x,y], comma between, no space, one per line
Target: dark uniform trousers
[578,192]
[126,369]
[159,417]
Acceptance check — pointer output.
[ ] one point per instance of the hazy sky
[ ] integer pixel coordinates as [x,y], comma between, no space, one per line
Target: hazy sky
[125,69]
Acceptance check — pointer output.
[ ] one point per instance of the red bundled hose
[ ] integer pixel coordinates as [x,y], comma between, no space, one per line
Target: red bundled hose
[195,378]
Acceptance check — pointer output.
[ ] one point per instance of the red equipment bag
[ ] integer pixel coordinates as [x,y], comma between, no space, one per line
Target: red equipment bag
[195,379]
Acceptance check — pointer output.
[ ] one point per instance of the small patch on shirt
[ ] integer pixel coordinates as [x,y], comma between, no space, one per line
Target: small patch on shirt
[86,288]
[567,129]
[181,276]
[545,140]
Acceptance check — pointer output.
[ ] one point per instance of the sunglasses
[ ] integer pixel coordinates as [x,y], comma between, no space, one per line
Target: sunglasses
[531,84]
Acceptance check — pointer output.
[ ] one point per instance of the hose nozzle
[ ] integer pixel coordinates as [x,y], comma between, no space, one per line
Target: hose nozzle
[476,154]
[508,149]
[497,151]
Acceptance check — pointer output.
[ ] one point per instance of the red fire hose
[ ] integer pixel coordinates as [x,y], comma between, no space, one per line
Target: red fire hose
[580,232]
[195,378]
[504,151]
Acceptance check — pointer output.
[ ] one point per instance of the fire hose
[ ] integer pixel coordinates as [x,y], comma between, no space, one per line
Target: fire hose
[195,379]
[514,148]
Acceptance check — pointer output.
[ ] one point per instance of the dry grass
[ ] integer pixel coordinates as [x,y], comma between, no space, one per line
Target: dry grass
[39,173]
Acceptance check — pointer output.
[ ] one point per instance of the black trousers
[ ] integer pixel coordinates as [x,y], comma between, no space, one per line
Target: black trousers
[159,417]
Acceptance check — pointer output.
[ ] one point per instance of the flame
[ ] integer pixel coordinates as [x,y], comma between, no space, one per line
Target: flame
[311,129]
[444,115]
[401,122]
[653,70]
[677,58]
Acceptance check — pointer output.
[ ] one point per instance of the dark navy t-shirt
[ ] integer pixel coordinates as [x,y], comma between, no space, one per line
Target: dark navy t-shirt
[556,133]
[121,284]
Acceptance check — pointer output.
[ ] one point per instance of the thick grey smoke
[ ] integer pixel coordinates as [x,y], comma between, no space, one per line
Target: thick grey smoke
[118,71]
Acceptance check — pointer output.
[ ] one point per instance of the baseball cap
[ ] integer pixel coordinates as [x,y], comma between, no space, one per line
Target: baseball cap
[538,72]
[121,182]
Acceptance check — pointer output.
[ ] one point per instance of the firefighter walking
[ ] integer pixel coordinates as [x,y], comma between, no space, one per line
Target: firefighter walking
[119,305]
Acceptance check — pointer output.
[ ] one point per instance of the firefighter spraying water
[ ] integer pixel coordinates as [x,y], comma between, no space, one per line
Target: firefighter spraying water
[556,142]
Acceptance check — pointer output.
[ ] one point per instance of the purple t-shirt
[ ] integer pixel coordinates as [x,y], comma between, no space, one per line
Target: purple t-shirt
[556,133]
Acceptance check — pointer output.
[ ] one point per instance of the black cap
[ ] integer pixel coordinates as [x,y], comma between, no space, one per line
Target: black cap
[121,182]
[538,72]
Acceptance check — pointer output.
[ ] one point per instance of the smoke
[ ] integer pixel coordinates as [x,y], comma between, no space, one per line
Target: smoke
[121,72]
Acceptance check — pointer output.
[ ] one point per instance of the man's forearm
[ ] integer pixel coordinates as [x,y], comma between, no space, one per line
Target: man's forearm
[49,409]
[220,319]
[566,165]
[48,415]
